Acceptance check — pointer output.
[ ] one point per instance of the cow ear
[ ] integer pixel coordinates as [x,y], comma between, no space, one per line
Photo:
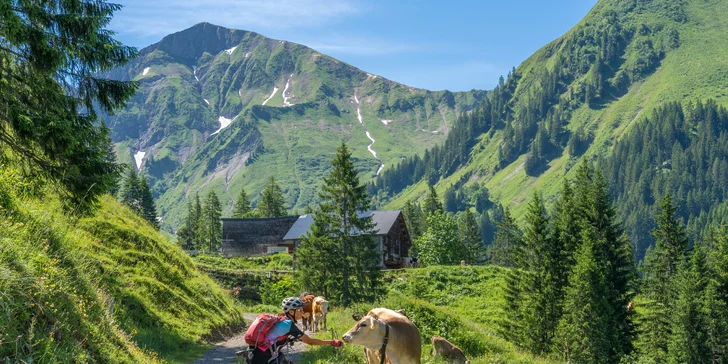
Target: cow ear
[356,317]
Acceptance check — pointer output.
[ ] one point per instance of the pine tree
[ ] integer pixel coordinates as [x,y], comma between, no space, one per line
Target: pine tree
[583,334]
[186,235]
[440,244]
[432,202]
[415,220]
[508,239]
[659,287]
[149,208]
[613,250]
[539,295]
[242,205]
[688,340]
[272,203]
[340,240]
[210,226]
[131,193]
[51,91]
[470,238]
[487,229]
[716,296]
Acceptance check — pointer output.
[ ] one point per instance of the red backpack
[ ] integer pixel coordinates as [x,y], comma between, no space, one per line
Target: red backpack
[259,329]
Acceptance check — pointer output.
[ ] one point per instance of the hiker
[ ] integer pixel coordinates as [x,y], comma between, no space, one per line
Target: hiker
[290,306]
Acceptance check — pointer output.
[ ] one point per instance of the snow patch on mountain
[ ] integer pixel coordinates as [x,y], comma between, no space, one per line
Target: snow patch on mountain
[285,98]
[139,158]
[194,72]
[369,147]
[385,121]
[146,70]
[224,123]
[247,54]
[208,102]
[231,50]
[275,89]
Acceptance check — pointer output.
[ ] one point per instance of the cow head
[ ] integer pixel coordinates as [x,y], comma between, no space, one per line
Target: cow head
[368,332]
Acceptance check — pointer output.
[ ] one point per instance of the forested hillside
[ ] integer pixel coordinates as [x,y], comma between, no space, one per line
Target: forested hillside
[221,110]
[578,97]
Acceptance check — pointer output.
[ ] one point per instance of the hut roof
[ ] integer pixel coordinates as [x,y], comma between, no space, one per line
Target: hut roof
[382,220]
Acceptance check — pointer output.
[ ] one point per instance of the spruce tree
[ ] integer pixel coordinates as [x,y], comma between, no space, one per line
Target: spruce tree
[52,59]
[340,240]
[131,193]
[508,239]
[613,250]
[659,287]
[584,332]
[716,296]
[272,203]
[487,230]
[186,235]
[470,238]
[149,208]
[415,220]
[242,205]
[432,202]
[539,296]
[210,225]
[688,338]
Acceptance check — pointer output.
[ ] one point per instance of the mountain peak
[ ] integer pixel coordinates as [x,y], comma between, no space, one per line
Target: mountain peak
[203,37]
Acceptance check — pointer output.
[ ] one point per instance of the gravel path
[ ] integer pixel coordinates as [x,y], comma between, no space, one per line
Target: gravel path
[225,352]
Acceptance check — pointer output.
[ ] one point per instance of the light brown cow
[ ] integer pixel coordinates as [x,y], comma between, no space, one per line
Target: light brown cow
[450,352]
[306,316]
[320,310]
[630,306]
[405,343]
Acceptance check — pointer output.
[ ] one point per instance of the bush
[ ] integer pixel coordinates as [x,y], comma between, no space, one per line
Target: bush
[273,292]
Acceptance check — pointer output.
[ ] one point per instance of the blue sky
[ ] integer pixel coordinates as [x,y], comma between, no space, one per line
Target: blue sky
[455,45]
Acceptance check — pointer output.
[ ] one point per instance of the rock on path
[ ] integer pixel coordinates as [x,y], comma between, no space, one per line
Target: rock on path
[225,352]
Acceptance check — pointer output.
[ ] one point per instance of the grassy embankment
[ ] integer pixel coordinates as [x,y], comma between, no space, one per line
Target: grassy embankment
[101,288]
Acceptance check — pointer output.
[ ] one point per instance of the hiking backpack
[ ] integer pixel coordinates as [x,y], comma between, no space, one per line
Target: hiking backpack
[259,329]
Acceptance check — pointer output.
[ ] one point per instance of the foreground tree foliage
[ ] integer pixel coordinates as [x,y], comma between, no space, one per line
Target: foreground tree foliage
[339,257]
[50,98]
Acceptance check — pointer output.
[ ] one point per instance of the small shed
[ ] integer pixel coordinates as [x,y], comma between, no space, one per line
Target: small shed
[253,237]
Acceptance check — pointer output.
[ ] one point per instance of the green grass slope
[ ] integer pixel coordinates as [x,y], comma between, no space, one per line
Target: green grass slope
[690,67]
[104,288]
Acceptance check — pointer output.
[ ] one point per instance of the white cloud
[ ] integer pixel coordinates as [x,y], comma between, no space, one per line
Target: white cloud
[158,18]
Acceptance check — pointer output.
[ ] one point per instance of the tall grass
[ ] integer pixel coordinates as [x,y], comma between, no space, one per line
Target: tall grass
[101,288]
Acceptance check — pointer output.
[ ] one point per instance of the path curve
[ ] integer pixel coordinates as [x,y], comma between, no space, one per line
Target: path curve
[224,352]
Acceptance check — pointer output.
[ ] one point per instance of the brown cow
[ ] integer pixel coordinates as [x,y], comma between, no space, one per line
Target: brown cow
[630,306]
[450,352]
[306,316]
[405,343]
[320,310]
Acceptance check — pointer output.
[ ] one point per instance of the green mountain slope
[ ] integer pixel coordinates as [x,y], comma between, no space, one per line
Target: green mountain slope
[104,288]
[284,108]
[580,95]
